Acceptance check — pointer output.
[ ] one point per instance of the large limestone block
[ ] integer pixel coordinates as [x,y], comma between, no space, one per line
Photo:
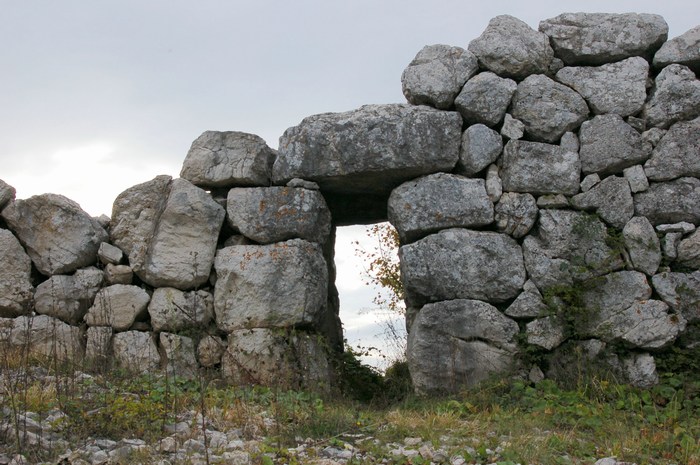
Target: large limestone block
[462,264]
[68,297]
[511,48]
[288,359]
[677,154]
[618,88]
[616,291]
[136,351]
[438,201]
[275,214]
[370,150]
[689,251]
[47,337]
[684,50]
[16,290]
[670,202]
[179,355]
[674,97]
[437,74]
[599,38]
[169,229]
[174,310]
[118,306]
[681,291]
[537,168]
[485,98]
[516,214]
[459,343]
[274,286]
[566,247]
[642,245]
[481,146]
[58,235]
[547,108]
[611,199]
[7,193]
[228,159]
[609,145]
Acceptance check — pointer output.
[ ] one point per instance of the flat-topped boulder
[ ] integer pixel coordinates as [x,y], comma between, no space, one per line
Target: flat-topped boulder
[370,150]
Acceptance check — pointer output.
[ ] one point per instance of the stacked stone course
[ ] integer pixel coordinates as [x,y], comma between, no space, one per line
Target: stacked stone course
[545,186]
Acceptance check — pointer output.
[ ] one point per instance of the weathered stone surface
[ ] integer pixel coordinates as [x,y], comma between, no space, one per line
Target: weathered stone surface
[547,108]
[681,291]
[437,74]
[485,99]
[538,168]
[179,355]
[438,201]
[481,146]
[642,245]
[118,274]
[512,128]
[47,337]
[677,154]
[58,235]
[274,286]
[462,264]
[684,50]
[109,254]
[118,306]
[494,183]
[511,48]
[16,290]
[528,304]
[459,343]
[276,358]
[639,370]
[598,38]
[683,227]
[228,159]
[570,142]
[670,245]
[689,251]
[670,202]
[654,135]
[608,145]
[568,246]
[174,310]
[98,350]
[370,150]
[275,214]
[589,182]
[7,193]
[618,88]
[615,292]
[547,333]
[552,201]
[637,178]
[516,214]
[135,351]
[68,297]
[209,350]
[611,200]
[674,97]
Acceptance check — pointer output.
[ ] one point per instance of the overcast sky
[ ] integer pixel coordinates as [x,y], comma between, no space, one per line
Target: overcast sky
[97,96]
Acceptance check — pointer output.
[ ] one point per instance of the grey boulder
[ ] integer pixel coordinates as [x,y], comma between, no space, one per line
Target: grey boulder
[174,310]
[684,50]
[615,292]
[485,99]
[537,168]
[118,306]
[135,351]
[618,88]
[529,304]
[462,264]
[677,154]
[437,74]
[459,343]
[98,347]
[370,150]
[275,214]
[7,193]
[689,251]
[515,214]
[16,290]
[48,338]
[674,97]
[609,145]
[681,291]
[511,48]
[547,108]
[178,355]
[438,201]
[599,38]
[68,297]
[548,332]
[611,199]
[109,254]
[481,146]
[642,245]
[57,234]
[270,286]
[228,159]
[670,202]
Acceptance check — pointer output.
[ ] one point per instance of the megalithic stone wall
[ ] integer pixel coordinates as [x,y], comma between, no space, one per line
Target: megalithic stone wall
[546,190]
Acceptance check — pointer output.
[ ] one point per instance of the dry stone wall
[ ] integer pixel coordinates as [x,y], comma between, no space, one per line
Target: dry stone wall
[545,185]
